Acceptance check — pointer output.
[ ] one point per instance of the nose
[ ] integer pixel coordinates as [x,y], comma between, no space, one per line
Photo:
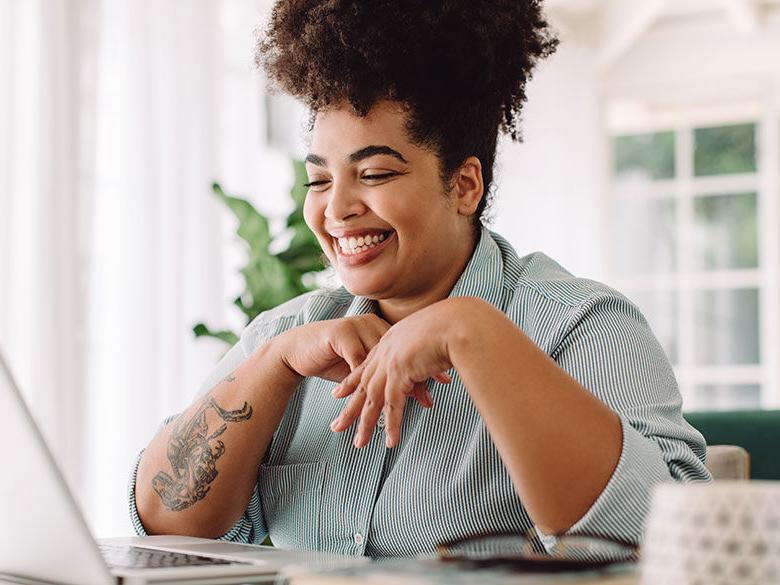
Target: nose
[343,202]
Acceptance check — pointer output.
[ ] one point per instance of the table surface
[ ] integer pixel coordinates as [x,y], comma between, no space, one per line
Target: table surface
[428,572]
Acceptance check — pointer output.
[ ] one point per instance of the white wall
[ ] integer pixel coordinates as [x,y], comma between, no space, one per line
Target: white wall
[550,192]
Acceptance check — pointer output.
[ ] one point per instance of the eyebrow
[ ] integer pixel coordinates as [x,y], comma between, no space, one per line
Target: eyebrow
[359,155]
[316,160]
[374,150]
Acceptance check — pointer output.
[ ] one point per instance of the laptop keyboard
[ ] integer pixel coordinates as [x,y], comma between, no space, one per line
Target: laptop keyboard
[133,557]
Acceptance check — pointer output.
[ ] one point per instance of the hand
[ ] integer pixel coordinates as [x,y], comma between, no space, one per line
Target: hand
[330,349]
[333,348]
[410,352]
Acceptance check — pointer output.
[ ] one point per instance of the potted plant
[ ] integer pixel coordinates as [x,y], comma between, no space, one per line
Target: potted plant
[271,278]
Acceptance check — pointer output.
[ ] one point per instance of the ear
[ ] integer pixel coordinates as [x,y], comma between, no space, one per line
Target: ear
[468,186]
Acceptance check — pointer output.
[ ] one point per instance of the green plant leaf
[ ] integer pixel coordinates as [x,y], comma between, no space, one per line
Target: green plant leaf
[298,191]
[270,279]
[304,253]
[201,330]
[252,226]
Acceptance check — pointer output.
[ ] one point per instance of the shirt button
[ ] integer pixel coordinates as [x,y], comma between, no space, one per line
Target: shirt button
[381,422]
[358,539]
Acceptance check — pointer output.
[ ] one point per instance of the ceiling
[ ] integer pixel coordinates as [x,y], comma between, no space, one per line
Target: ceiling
[613,26]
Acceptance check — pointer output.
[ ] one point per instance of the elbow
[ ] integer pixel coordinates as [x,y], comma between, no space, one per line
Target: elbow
[158,516]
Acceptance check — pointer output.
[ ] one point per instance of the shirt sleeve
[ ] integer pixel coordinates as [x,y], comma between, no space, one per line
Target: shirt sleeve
[610,349]
[250,528]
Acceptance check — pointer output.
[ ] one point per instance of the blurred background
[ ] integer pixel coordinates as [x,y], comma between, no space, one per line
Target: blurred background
[651,161]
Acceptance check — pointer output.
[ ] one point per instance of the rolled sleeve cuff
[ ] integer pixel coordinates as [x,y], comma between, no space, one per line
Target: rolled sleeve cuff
[249,529]
[134,517]
[621,509]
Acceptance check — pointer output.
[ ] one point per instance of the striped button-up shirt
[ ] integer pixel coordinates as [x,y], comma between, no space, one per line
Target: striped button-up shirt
[445,479]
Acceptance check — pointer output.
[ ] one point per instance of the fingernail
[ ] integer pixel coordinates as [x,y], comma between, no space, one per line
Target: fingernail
[334,424]
[336,390]
[356,441]
[429,397]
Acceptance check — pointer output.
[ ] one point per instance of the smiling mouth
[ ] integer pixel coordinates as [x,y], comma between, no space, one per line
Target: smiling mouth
[352,246]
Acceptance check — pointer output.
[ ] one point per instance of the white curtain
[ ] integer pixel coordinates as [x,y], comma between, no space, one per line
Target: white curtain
[42,215]
[112,116]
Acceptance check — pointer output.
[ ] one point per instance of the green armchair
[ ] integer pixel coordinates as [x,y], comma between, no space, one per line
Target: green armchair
[757,431]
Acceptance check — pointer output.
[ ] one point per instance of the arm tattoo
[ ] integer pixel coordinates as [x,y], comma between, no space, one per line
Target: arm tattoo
[193,454]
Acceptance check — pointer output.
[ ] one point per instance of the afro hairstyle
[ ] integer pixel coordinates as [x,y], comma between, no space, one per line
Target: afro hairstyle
[459,67]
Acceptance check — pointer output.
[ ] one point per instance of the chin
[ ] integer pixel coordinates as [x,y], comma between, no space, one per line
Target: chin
[361,288]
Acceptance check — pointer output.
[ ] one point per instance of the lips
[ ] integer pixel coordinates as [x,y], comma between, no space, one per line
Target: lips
[360,243]
[357,232]
[365,253]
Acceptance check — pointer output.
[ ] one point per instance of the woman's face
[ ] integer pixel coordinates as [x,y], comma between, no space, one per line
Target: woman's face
[377,205]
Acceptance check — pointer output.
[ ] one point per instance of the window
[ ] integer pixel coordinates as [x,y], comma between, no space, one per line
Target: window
[692,215]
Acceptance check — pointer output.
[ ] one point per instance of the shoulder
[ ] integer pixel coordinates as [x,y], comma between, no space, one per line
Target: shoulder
[310,306]
[536,274]
[548,301]
[316,305]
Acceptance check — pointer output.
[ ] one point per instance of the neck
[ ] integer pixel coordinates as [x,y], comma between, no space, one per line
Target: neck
[393,310]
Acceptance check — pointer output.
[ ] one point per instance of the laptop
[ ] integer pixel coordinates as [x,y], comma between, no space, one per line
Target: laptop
[45,539]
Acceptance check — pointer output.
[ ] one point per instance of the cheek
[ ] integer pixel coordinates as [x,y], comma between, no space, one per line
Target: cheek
[424,229]
[312,214]
[418,223]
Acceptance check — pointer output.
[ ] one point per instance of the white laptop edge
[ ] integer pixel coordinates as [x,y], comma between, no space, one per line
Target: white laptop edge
[44,530]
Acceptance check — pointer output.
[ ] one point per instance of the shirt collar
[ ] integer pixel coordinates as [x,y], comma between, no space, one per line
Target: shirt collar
[482,278]
[362,306]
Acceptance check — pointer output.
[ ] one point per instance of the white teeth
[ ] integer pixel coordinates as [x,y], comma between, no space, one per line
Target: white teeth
[354,245]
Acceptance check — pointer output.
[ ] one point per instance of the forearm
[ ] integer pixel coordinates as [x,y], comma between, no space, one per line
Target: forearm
[559,443]
[196,475]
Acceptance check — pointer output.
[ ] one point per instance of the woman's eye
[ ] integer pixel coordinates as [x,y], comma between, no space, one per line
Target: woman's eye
[378,176]
[315,184]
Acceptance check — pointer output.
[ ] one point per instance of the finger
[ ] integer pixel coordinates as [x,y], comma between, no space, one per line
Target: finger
[395,401]
[421,394]
[350,383]
[372,408]
[372,331]
[442,378]
[351,349]
[350,412]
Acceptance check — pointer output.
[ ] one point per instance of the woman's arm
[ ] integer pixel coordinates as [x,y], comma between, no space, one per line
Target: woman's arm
[197,474]
[559,443]
[584,437]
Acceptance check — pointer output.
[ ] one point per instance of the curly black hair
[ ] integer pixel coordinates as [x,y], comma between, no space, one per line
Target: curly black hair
[459,66]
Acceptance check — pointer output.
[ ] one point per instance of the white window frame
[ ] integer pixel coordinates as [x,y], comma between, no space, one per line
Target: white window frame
[764,111]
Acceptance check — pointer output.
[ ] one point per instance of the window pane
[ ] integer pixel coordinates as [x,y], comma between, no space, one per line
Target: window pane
[651,155]
[660,310]
[726,327]
[725,231]
[725,149]
[728,397]
[644,234]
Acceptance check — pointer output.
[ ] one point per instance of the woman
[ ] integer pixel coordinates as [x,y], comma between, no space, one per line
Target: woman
[539,399]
